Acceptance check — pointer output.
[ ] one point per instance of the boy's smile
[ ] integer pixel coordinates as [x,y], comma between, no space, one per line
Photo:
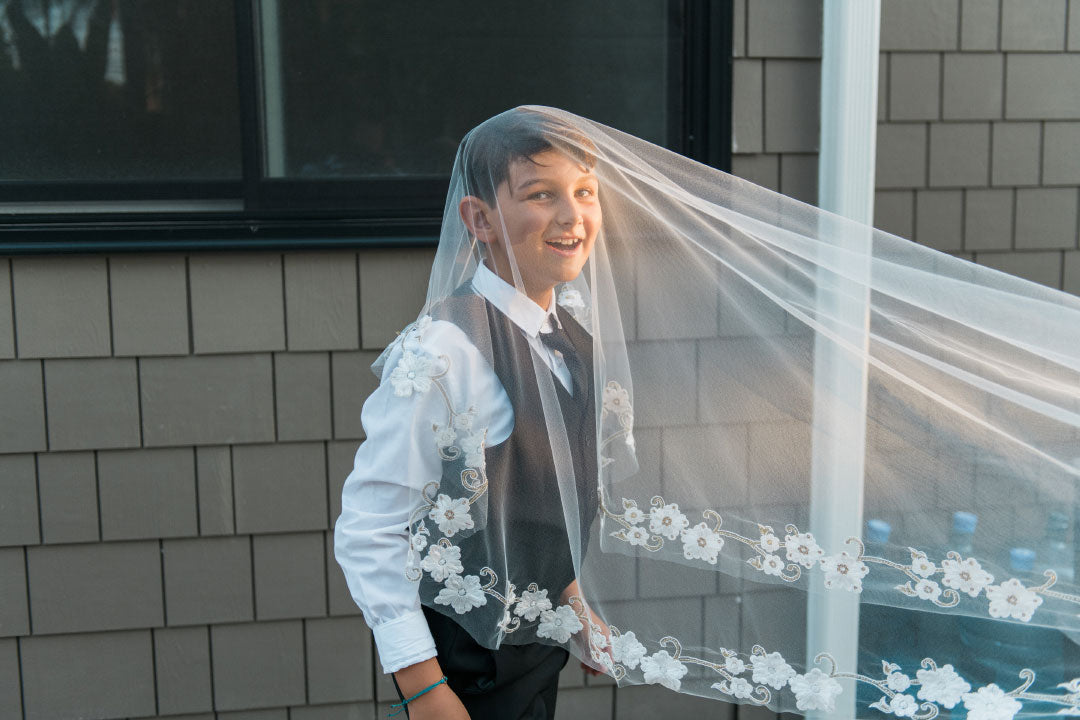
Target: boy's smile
[550,211]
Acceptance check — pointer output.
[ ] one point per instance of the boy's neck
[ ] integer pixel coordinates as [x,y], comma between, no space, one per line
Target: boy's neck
[541,297]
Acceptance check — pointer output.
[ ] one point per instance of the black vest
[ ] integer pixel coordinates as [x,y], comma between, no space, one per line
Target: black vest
[522,504]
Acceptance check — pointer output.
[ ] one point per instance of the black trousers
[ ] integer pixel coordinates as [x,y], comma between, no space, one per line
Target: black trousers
[515,682]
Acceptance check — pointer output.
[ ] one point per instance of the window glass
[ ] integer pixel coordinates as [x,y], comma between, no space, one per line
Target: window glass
[118,90]
[357,88]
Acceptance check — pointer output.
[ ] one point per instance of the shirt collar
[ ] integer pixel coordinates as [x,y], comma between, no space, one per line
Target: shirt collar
[524,313]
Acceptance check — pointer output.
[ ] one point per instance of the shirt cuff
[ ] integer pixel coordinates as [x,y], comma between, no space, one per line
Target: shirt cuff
[404,641]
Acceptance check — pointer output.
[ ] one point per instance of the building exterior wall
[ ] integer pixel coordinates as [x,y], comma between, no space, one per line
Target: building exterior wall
[177,428]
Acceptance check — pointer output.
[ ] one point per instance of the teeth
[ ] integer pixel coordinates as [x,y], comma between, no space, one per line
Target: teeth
[571,241]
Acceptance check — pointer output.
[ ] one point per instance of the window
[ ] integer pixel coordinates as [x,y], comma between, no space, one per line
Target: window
[195,123]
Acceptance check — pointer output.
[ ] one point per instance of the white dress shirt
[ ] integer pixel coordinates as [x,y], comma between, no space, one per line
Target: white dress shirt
[394,463]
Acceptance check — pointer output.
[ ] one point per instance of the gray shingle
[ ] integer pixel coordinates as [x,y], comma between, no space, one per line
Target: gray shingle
[1046,218]
[1074,25]
[393,285]
[92,403]
[1032,24]
[738,30]
[61,306]
[22,424]
[7,317]
[14,612]
[321,301]
[973,86]
[64,676]
[959,154]
[207,400]
[894,212]
[988,219]
[919,24]
[237,302]
[763,170]
[350,711]
[149,304]
[901,156]
[280,488]
[783,28]
[208,580]
[67,493]
[716,450]
[751,380]
[147,493]
[258,665]
[352,381]
[792,99]
[641,702]
[979,28]
[573,703]
[213,467]
[678,282]
[290,575]
[914,86]
[268,714]
[747,99]
[1029,96]
[1072,272]
[302,387]
[1016,153]
[80,588]
[182,664]
[339,456]
[883,87]
[1061,153]
[10,681]
[651,361]
[18,501]
[339,667]
[1040,267]
[939,218]
[340,600]
[799,177]
[779,455]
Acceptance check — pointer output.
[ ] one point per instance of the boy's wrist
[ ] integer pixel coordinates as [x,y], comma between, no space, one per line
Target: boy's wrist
[416,677]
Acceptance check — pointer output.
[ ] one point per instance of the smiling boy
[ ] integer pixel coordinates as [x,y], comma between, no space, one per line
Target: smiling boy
[534,209]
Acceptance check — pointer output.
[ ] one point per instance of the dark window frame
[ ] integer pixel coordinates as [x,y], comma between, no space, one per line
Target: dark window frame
[312,213]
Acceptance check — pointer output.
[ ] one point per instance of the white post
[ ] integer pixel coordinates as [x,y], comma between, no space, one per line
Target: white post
[849,74]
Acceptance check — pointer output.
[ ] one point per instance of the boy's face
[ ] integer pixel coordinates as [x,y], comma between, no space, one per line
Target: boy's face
[548,213]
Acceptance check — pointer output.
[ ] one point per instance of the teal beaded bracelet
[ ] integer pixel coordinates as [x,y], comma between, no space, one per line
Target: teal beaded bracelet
[401,705]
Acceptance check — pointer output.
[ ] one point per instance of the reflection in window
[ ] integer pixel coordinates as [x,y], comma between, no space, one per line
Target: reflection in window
[362,88]
[118,90]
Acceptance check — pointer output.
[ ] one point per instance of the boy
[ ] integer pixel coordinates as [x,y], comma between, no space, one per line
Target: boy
[487,480]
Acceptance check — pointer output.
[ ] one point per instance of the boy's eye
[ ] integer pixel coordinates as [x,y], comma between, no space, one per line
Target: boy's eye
[541,195]
[585,192]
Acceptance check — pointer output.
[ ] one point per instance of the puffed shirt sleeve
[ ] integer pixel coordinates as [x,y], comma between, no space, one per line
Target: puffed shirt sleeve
[390,469]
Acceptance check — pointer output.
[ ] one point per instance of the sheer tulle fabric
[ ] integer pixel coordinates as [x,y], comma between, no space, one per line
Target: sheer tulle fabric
[830,470]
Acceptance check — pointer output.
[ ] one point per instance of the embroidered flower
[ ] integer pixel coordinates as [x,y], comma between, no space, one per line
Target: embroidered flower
[667,521]
[598,640]
[559,624]
[418,542]
[928,589]
[462,593]
[771,669]
[701,543]
[636,536]
[616,399]
[442,562]
[740,688]
[661,668]
[991,703]
[412,373]
[899,705]
[966,576]
[473,447]
[772,565]
[815,691]
[844,571]
[531,604]
[451,515]
[898,682]
[942,686]
[464,421]
[802,548]
[444,436]
[1012,599]
[627,649]
[770,543]
[734,665]
[570,298]
[921,565]
[633,514]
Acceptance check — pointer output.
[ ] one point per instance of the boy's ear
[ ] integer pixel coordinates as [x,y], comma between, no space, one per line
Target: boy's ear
[477,216]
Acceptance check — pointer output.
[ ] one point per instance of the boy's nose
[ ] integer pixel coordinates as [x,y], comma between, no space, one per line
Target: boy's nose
[569,213]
